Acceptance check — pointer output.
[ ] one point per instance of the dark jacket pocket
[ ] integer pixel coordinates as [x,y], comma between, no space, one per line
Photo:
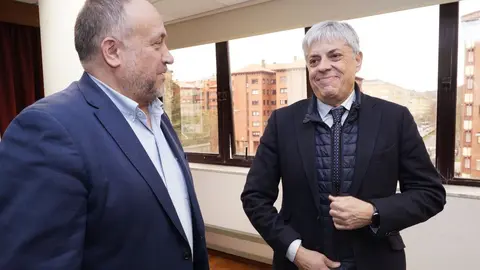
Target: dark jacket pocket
[396,242]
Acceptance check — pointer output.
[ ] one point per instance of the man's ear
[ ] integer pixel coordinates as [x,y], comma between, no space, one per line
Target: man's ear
[359,60]
[110,51]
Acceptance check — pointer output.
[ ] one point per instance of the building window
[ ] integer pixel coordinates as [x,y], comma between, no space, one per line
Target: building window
[478,164]
[466,162]
[254,81]
[256,124]
[470,57]
[469,70]
[467,151]
[256,133]
[283,102]
[283,79]
[469,110]
[467,125]
[255,113]
[283,90]
[470,83]
[254,92]
[254,102]
[469,98]
[468,137]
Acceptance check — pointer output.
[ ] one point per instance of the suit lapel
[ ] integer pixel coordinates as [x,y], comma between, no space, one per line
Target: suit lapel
[118,128]
[368,126]
[305,130]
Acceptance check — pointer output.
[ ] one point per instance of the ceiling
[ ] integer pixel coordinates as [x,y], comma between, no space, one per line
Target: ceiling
[181,10]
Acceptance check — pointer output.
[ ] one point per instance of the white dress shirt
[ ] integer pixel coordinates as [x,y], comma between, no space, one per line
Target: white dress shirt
[324,111]
[155,144]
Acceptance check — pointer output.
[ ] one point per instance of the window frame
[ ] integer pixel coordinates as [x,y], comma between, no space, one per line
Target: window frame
[446,104]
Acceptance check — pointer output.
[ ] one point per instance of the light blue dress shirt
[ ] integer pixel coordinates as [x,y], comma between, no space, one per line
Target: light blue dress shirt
[155,144]
[323,110]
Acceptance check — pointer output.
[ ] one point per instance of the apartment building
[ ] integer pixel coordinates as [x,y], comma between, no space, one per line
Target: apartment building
[258,90]
[469,153]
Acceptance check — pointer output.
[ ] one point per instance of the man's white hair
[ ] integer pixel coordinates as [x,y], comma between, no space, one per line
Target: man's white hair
[330,31]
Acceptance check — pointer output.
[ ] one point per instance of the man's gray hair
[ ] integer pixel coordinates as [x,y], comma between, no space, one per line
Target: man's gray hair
[330,31]
[95,21]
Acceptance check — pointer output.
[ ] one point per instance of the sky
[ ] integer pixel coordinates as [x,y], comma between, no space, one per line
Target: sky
[399,47]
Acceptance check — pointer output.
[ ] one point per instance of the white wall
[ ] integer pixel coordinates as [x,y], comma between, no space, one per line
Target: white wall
[447,241]
[59,58]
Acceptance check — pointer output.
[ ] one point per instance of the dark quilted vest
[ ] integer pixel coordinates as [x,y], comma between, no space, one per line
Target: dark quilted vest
[336,244]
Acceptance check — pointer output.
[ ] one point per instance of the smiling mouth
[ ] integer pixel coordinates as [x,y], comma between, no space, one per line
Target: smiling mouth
[329,78]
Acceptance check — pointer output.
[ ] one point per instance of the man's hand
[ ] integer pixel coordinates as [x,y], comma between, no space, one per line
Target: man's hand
[350,213]
[312,260]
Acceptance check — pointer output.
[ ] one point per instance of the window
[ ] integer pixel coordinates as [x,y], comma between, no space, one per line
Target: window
[272,58]
[478,165]
[470,57]
[468,98]
[469,70]
[413,86]
[246,62]
[468,110]
[469,83]
[468,137]
[467,151]
[467,163]
[255,113]
[186,99]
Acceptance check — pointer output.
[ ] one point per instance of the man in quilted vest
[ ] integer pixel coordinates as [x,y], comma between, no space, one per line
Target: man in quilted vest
[340,156]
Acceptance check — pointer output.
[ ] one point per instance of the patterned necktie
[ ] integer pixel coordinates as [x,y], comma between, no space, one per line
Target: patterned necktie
[337,114]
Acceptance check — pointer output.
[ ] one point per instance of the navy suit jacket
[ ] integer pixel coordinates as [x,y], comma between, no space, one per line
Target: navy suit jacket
[78,191]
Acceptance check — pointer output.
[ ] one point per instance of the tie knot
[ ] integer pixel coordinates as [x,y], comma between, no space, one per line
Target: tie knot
[337,114]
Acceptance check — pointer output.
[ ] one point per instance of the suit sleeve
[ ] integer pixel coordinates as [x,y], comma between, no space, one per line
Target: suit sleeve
[261,192]
[42,197]
[422,193]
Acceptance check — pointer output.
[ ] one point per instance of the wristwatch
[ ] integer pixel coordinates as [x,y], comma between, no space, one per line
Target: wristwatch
[375,218]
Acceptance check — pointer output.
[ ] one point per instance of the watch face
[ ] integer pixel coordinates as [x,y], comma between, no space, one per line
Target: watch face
[375,219]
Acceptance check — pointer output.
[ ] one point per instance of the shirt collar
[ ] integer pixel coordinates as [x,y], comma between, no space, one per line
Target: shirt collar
[324,109]
[128,107]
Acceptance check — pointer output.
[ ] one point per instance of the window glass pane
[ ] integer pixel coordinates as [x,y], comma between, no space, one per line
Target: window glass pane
[388,71]
[467,95]
[275,66]
[191,98]
[468,137]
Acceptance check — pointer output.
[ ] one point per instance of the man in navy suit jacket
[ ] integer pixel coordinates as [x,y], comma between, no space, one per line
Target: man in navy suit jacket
[94,177]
